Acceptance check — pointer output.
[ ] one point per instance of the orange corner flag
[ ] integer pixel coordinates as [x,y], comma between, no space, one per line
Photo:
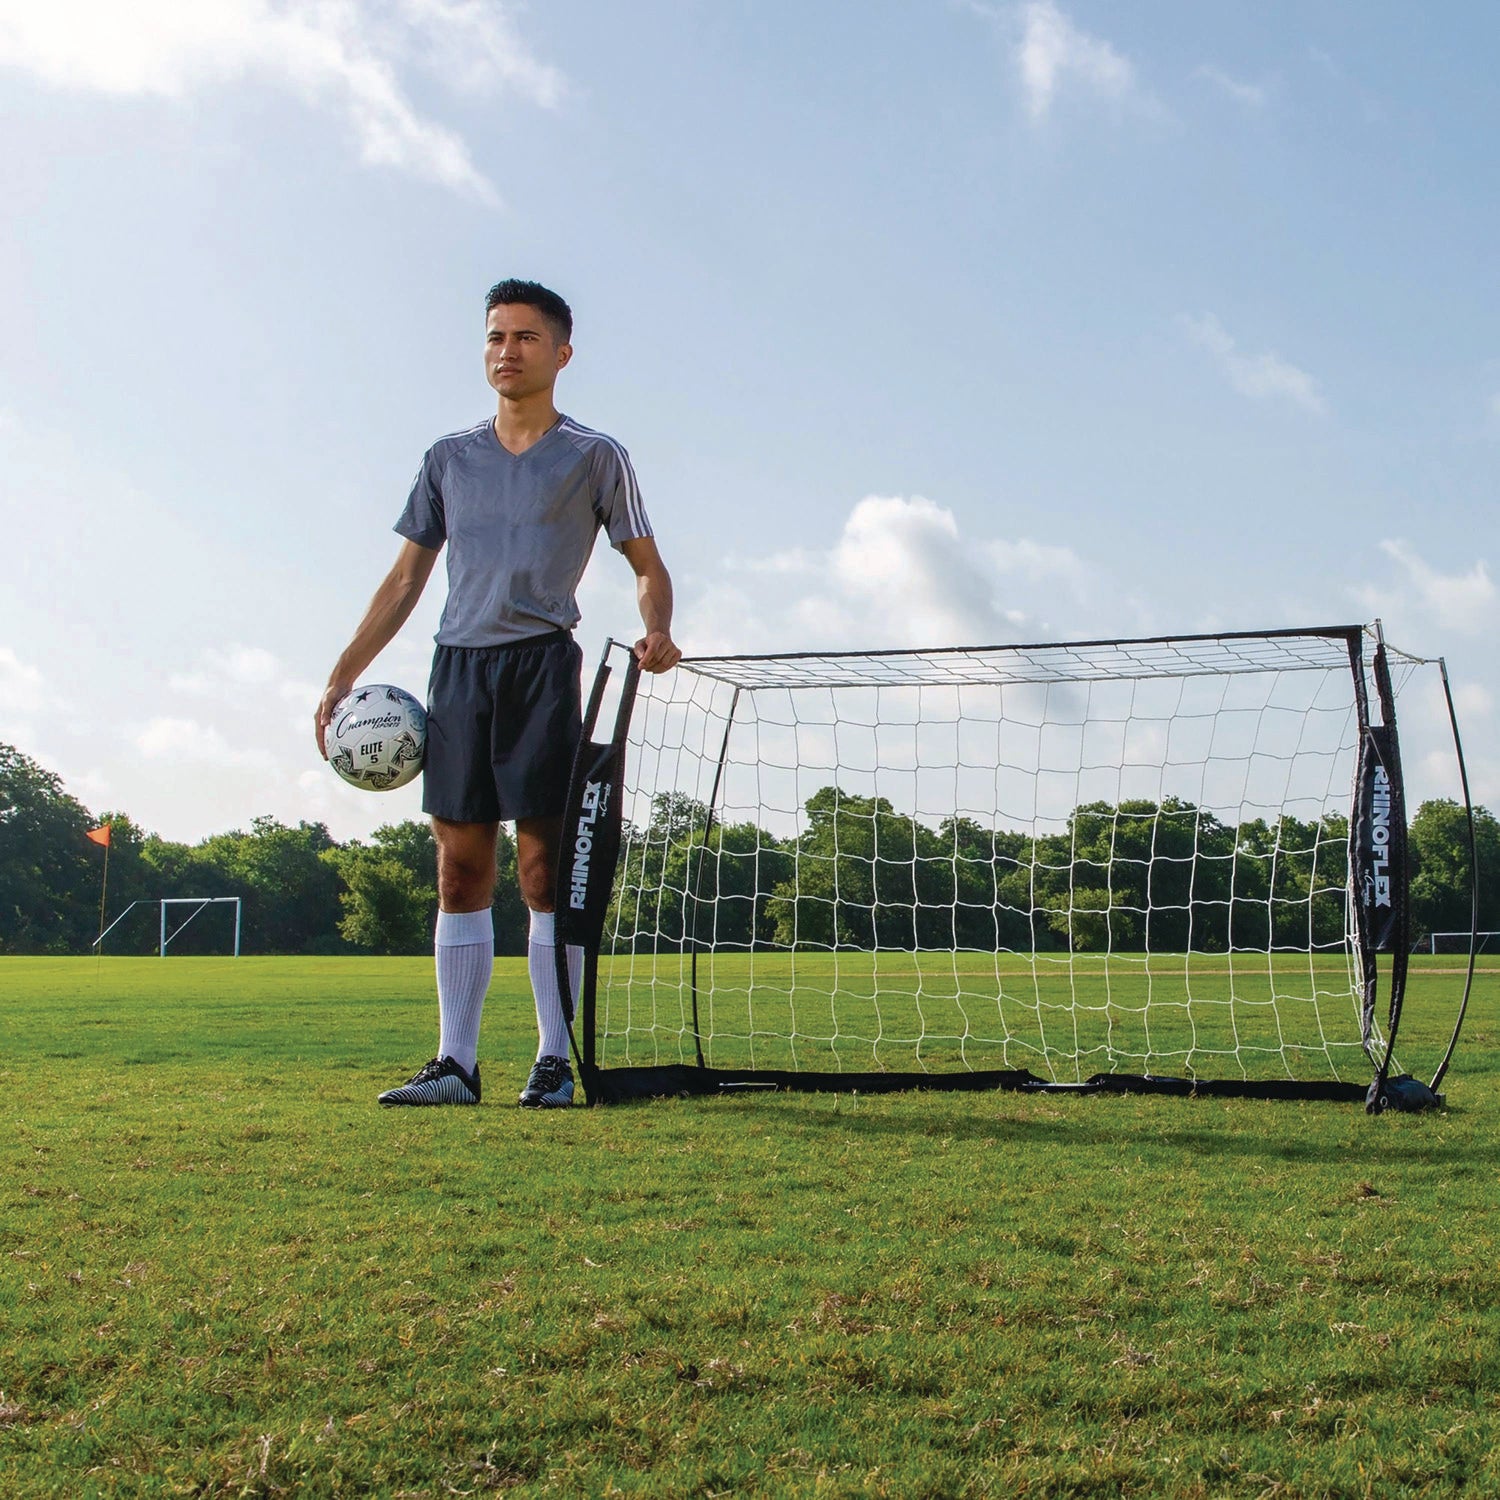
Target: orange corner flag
[100,835]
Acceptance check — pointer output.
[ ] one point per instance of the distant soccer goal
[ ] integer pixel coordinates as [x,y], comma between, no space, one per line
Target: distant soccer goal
[1174,864]
[1463,942]
[175,913]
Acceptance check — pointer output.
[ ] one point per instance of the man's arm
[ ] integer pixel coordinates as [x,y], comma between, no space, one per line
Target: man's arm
[655,651]
[393,602]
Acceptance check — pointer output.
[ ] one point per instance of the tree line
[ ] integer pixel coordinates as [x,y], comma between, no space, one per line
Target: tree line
[301,890]
[1166,876]
[860,875]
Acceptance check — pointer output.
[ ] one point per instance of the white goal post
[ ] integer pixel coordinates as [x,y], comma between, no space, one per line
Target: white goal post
[197,903]
[1460,942]
[1173,865]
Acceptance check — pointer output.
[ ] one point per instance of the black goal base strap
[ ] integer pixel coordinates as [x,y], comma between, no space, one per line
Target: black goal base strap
[683,1080]
[1405,1094]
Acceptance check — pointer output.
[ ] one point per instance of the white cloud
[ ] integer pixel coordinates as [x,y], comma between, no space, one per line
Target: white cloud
[1038,562]
[241,666]
[1262,377]
[900,573]
[187,742]
[1252,95]
[1052,50]
[794,560]
[1472,700]
[345,56]
[1467,603]
[240,671]
[22,690]
[26,701]
[904,559]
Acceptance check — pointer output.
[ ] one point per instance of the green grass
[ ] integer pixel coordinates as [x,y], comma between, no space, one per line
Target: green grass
[223,1270]
[1063,1016]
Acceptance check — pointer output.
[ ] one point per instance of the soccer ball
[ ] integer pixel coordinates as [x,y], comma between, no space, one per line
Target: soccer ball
[377,737]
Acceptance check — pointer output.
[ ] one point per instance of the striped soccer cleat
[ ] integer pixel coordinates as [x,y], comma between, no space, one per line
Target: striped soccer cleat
[440,1081]
[550,1085]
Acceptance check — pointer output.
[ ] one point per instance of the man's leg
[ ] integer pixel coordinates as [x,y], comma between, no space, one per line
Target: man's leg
[464,943]
[537,841]
[464,952]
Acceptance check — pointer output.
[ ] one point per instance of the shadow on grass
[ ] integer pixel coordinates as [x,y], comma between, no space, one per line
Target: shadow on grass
[1254,1131]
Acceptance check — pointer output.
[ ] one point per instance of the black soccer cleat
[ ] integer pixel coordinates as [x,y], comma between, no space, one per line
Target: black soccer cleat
[550,1085]
[440,1081]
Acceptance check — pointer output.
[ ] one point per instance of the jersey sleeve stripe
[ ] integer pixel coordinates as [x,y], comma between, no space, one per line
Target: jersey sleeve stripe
[635,508]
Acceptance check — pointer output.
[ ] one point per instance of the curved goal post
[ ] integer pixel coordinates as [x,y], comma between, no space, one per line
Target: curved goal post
[1169,865]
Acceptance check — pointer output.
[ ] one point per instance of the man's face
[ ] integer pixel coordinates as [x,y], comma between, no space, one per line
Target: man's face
[521,353]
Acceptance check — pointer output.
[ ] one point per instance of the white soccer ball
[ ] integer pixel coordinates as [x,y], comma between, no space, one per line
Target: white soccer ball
[377,737]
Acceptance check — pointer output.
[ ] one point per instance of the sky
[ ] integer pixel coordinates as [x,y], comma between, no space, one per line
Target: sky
[924,321]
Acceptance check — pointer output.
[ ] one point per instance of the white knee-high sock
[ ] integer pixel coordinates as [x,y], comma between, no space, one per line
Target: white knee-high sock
[541,958]
[464,950]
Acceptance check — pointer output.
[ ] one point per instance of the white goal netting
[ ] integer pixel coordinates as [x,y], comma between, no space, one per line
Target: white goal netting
[1124,857]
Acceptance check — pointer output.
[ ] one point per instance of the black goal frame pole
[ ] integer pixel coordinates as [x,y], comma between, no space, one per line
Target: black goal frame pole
[694,885]
[1463,777]
[1379,876]
[588,852]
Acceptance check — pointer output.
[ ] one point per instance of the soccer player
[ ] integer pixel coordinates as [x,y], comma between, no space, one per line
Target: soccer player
[518,500]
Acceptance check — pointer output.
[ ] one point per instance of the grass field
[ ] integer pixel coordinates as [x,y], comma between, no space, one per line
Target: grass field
[224,1271]
[1063,1015]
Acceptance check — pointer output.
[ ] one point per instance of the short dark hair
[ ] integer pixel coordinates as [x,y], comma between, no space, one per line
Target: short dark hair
[533,294]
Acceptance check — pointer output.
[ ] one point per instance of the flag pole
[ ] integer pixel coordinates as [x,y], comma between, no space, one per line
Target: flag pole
[103,893]
[101,835]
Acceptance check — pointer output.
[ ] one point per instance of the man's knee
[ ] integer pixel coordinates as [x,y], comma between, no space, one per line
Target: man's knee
[537,879]
[536,861]
[466,865]
[465,888]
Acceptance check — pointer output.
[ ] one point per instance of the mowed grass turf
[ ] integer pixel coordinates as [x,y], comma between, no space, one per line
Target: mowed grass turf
[224,1270]
[1064,1016]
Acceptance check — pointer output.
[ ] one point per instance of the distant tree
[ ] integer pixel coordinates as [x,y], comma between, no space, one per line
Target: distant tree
[1093,919]
[411,844]
[1290,883]
[49,872]
[1440,868]
[389,898]
[991,884]
[714,891]
[865,876]
[386,907]
[646,910]
[290,893]
[860,875]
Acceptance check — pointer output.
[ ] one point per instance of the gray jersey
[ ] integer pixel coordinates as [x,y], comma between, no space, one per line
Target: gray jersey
[519,528]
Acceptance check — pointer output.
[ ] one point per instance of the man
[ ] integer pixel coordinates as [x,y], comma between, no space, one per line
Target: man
[518,500]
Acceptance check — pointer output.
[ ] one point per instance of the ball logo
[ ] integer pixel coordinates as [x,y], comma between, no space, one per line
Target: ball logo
[351,725]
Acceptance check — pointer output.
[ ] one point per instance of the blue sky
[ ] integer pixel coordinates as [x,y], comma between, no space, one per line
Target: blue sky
[925,321]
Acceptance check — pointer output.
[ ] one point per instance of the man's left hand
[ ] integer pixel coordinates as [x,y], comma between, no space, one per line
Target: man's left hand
[657,652]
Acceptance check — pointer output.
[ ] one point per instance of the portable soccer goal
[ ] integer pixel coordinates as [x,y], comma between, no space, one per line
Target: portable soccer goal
[1173,865]
[171,920]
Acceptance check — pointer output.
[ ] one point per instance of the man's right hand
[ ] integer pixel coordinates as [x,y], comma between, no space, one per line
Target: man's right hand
[332,694]
[394,600]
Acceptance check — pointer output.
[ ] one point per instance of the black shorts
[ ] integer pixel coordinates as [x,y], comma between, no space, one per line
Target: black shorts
[502,726]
